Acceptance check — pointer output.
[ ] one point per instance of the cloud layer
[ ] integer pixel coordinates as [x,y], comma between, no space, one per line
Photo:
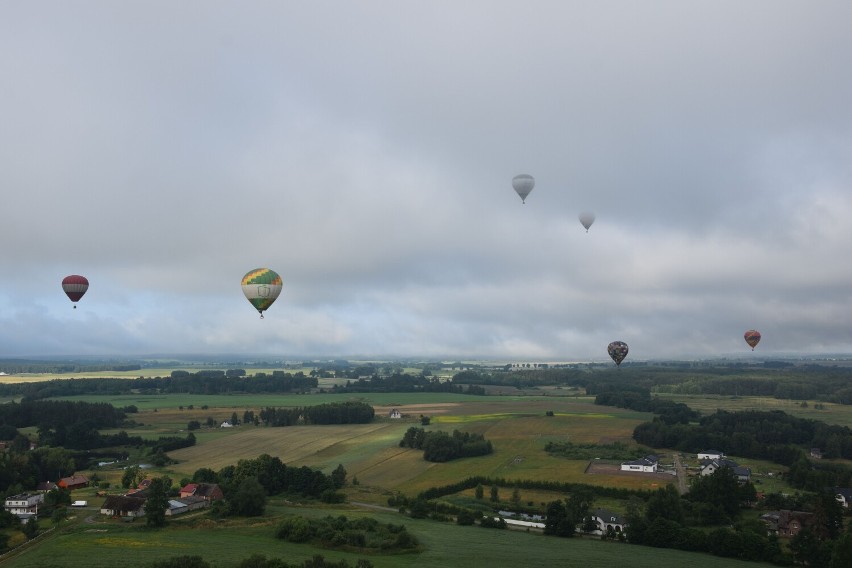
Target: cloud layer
[365,151]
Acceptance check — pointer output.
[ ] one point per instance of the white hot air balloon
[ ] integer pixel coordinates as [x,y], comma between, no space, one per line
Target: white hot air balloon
[587,219]
[523,184]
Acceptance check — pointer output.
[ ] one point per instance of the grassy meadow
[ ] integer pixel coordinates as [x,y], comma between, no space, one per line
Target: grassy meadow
[89,541]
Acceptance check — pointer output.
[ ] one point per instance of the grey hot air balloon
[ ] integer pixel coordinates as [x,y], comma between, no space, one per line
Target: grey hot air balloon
[523,184]
[587,219]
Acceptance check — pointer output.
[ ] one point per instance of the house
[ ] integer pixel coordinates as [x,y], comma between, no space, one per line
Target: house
[73,482]
[395,413]
[208,491]
[608,523]
[743,474]
[710,455]
[226,424]
[648,464]
[46,486]
[785,523]
[123,506]
[24,504]
[816,453]
[843,495]
[186,504]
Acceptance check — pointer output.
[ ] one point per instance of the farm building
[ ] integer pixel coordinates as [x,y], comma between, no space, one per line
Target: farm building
[123,506]
[648,464]
[186,504]
[207,491]
[73,482]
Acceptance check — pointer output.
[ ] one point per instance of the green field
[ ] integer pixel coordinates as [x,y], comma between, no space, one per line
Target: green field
[95,543]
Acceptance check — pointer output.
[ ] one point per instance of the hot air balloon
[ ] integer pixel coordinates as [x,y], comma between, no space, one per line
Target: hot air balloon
[618,351]
[523,184]
[74,287]
[752,337]
[261,287]
[587,219]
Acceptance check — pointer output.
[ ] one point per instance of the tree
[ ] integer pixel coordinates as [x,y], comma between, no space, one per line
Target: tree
[664,503]
[479,491]
[841,556]
[249,499]
[495,494]
[157,503]
[30,529]
[130,476]
[338,476]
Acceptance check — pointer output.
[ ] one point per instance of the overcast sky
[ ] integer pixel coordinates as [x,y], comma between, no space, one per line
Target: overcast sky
[365,151]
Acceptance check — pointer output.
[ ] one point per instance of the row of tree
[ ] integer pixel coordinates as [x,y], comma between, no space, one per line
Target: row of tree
[349,412]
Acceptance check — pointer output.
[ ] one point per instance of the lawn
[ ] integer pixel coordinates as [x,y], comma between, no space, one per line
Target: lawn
[104,544]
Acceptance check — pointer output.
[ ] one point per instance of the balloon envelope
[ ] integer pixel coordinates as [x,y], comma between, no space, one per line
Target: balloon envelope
[75,286]
[587,219]
[752,337]
[523,185]
[618,351]
[261,287]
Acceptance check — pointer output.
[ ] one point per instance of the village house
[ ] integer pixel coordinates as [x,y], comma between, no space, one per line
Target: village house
[743,474]
[648,464]
[208,491]
[24,505]
[395,414]
[843,495]
[608,523]
[46,486]
[123,506]
[73,482]
[785,523]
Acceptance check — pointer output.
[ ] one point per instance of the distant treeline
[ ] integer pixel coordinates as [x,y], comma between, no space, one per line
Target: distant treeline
[775,379]
[441,447]
[330,413]
[56,414]
[181,382]
[398,383]
[11,366]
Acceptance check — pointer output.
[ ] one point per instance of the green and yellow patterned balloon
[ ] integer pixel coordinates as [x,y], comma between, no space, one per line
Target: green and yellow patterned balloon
[261,287]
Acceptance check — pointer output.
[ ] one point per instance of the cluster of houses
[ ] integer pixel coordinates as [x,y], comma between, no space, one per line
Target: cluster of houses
[192,496]
[710,461]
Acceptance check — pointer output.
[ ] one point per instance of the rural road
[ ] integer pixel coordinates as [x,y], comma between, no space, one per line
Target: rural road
[681,475]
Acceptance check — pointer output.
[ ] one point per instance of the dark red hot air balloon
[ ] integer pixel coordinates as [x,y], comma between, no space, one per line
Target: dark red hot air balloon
[752,337]
[74,287]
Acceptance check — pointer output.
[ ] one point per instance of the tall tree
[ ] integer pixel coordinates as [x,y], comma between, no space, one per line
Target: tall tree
[157,502]
[338,476]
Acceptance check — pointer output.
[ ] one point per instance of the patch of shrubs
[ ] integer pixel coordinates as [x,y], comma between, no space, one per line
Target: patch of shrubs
[340,532]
